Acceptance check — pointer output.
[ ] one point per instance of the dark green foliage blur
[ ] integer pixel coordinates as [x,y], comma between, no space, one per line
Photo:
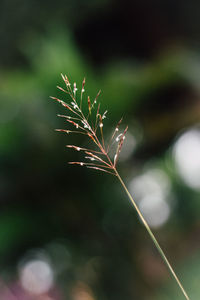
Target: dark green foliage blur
[144,56]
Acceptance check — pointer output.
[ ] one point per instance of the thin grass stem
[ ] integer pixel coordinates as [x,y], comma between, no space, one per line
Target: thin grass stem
[153,237]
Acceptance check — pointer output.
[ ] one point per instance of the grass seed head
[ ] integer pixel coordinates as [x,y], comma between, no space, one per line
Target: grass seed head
[84,125]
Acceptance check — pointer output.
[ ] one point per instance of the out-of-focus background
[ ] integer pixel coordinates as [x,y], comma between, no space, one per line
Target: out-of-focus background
[71,233]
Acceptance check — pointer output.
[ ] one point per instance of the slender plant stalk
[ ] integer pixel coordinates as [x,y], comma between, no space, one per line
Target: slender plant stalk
[100,159]
[153,237]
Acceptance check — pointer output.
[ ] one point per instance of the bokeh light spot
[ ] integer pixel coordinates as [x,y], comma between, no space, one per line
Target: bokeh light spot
[186,154]
[36,277]
[155,210]
[151,191]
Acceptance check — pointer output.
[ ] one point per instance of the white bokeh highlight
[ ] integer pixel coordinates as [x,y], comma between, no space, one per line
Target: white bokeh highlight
[151,191]
[186,154]
[36,276]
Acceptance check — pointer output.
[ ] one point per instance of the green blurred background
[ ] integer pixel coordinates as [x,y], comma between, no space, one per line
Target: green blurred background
[71,233]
